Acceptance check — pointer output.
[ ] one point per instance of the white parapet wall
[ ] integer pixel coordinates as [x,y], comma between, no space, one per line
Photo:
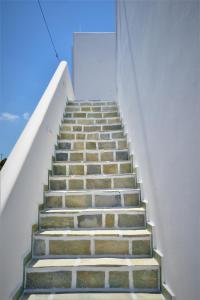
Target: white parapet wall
[158,81]
[23,177]
[94,65]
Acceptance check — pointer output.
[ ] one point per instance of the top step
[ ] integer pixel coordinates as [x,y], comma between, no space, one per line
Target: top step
[91,102]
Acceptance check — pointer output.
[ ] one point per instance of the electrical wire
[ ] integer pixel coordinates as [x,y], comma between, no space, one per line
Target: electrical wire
[48,30]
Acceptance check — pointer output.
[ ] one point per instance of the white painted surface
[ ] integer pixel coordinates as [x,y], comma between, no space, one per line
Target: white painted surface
[158,50]
[94,65]
[23,176]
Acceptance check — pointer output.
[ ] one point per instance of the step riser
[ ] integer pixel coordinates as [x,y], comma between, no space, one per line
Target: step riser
[92,169]
[91,136]
[92,183]
[91,108]
[98,279]
[93,128]
[60,247]
[107,121]
[88,156]
[92,115]
[92,200]
[93,220]
[93,145]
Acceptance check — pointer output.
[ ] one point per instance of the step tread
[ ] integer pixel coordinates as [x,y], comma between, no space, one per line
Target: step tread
[94,296]
[96,191]
[91,210]
[92,176]
[93,162]
[92,262]
[96,232]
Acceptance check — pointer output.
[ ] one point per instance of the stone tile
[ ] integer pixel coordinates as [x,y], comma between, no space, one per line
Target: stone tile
[95,115]
[76,170]
[59,170]
[98,183]
[75,184]
[93,169]
[45,280]
[89,221]
[108,200]
[64,146]
[92,156]
[96,109]
[104,136]
[141,247]
[77,128]
[92,136]
[122,155]
[80,136]
[61,156]
[78,145]
[117,135]
[90,279]
[56,185]
[110,220]
[86,108]
[79,115]
[110,169]
[39,247]
[107,156]
[131,199]
[126,220]
[118,279]
[79,247]
[67,136]
[101,121]
[125,168]
[57,222]
[67,128]
[106,145]
[124,182]
[76,201]
[111,247]
[92,128]
[110,115]
[122,144]
[112,127]
[53,201]
[145,279]
[76,156]
[90,145]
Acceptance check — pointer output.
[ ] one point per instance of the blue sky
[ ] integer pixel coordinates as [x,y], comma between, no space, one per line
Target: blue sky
[27,61]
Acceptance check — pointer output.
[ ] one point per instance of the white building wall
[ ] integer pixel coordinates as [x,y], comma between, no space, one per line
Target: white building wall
[94,65]
[158,70]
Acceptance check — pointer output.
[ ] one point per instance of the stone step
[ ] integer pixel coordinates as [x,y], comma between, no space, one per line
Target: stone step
[91,121]
[93,296]
[91,102]
[91,108]
[93,274]
[91,155]
[90,168]
[108,135]
[115,218]
[91,128]
[85,182]
[117,144]
[97,115]
[59,243]
[92,198]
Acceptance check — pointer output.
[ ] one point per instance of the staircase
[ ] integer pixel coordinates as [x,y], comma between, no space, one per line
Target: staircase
[92,237]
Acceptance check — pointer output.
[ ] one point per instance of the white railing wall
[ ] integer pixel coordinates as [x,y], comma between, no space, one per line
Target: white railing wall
[23,177]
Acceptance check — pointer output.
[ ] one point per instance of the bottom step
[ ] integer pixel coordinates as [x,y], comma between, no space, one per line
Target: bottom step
[93,296]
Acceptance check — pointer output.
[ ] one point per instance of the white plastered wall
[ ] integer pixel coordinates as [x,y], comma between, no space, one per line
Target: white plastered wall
[158,81]
[94,65]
